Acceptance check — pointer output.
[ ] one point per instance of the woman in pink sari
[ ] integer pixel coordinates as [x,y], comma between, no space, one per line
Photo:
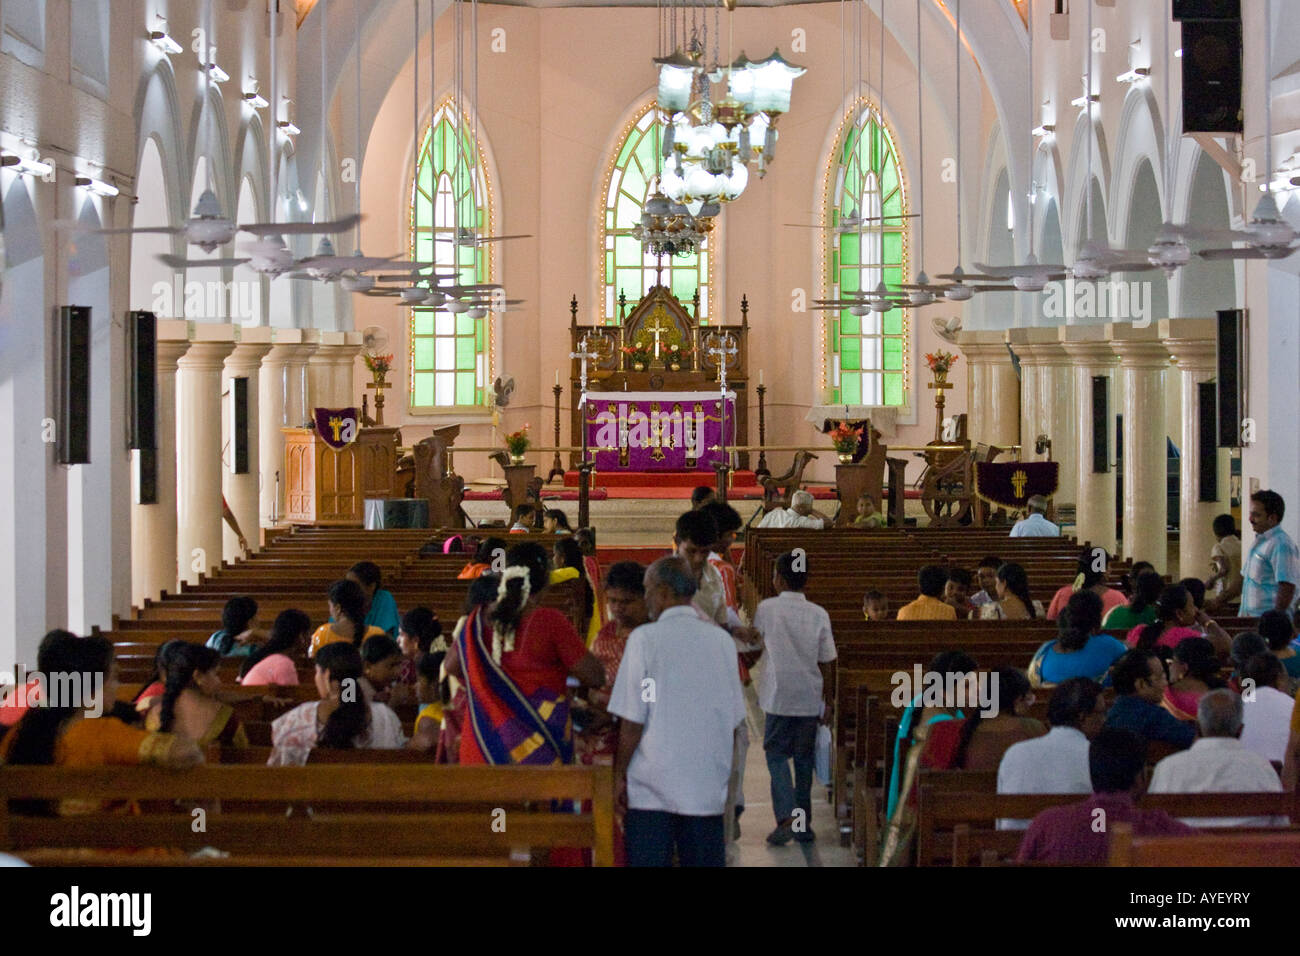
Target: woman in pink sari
[1193,673]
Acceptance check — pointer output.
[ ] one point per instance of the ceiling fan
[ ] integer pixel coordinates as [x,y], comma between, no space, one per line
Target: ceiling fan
[465,237]
[850,223]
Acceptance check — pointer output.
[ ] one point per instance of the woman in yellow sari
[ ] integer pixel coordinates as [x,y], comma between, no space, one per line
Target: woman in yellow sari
[569,565]
[188,704]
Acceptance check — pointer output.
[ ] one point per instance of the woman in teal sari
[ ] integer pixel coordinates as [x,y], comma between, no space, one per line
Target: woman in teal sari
[909,744]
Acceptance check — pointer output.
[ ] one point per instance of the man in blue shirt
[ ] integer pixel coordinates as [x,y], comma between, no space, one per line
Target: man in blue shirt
[1036,524]
[1272,568]
[1139,681]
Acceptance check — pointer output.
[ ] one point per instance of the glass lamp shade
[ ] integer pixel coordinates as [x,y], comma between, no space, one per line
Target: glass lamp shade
[694,206]
[740,83]
[758,127]
[656,205]
[736,181]
[676,77]
[773,82]
[700,185]
[674,186]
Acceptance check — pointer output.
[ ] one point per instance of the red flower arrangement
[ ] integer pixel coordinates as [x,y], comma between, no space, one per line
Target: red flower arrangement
[940,361]
[844,438]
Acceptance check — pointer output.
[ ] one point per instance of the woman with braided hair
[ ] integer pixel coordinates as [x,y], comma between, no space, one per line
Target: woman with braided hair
[515,658]
[188,704]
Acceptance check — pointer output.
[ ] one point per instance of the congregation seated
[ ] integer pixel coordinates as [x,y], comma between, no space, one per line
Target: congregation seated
[569,564]
[1177,620]
[701,495]
[930,605]
[1035,523]
[1193,673]
[381,606]
[979,741]
[239,632]
[347,607]
[1091,577]
[956,592]
[1056,762]
[1012,602]
[1139,680]
[275,661]
[867,518]
[525,520]
[483,557]
[1218,763]
[381,662]
[420,634]
[428,690]
[154,687]
[1141,608]
[189,705]
[1276,628]
[875,605]
[341,719]
[1246,645]
[83,732]
[800,514]
[986,576]
[555,521]
[1080,649]
[1268,718]
[1069,834]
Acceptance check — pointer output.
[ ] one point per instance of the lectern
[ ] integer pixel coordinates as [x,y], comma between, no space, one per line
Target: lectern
[327,487]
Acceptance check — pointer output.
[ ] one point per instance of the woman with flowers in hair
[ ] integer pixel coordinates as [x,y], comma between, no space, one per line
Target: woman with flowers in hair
[514,659]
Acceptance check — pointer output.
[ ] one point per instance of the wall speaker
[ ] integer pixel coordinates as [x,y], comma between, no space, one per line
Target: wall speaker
[1207,424]
[1100,419]
[1207,10]
[142,379]
[239,425]
[1212,76]
[1228,345]
[73,421]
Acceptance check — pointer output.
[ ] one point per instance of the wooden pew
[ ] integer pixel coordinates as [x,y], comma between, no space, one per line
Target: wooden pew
[1235,847]
[332,831]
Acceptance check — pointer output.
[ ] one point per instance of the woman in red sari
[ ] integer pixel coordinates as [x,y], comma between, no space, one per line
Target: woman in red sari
[979,741]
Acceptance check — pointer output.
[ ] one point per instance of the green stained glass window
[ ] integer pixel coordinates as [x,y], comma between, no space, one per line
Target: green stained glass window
[865,356]
[449,353]
[625,269]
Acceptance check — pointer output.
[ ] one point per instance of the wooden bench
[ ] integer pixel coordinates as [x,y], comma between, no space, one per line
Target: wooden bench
[503,795]
[1237,847]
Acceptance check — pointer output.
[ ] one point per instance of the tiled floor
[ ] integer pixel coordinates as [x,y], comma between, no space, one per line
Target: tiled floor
[757,822]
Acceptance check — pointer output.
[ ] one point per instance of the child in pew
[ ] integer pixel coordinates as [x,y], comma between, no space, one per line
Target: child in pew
[275,661]
[381,606]
[957,592]
[429,688]
[381,661]
[189,703]
[867,517]
[875,606]
[421,633]
[239,632]
[347,607]
[154,688]
[342,718]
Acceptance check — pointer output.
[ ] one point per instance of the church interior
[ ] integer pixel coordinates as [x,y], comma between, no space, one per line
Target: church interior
[289,287]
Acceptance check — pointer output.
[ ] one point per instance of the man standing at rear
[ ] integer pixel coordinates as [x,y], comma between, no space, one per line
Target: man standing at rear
[681,707]
[795,693]
[1272,568]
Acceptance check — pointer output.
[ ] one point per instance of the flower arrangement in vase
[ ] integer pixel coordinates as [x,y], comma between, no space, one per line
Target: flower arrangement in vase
[638,355]
[677,357]
[940,362]
[517,444]
[844,439]
[378,366]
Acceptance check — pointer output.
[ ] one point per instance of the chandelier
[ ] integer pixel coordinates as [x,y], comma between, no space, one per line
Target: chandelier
[707,145]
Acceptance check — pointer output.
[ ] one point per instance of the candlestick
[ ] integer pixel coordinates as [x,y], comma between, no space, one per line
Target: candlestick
[557,376]
[760,376]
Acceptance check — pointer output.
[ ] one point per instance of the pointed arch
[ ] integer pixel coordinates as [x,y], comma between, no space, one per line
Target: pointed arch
[450,353]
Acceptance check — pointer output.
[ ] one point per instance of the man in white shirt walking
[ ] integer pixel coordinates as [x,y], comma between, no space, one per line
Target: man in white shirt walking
[1056,762]
[1218,763]
[795,686]
[800,514]
[679,698]
[1035,524]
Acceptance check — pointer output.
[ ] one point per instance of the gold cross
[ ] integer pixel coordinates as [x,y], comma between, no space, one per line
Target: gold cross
[336,423]
[1018,481]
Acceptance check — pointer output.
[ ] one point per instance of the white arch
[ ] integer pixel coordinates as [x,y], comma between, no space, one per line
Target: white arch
[1140,138]
[1073,205]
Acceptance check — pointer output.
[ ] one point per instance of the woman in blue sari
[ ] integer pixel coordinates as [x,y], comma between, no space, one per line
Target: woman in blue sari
[1079,650]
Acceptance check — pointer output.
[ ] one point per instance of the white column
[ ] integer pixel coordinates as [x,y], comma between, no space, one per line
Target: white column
[1143,362]
[153,526]
[241,490]
[1047,404]
[993,393]
[1192,344]
[198,444]
[1094,511]
[281,401]
[330,368]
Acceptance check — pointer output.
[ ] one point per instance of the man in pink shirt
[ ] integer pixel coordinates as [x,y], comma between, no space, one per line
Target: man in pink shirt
[1079,833]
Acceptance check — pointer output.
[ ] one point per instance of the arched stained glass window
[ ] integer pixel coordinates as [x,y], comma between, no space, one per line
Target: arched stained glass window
[866,356]
[450,353]
[624,267]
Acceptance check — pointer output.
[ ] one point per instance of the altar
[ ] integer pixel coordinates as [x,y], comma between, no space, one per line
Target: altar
[658,431]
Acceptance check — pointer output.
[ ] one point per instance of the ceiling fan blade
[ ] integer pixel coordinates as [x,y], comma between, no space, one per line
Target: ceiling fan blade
[74,226]
[180,262]
[301,228]
[501,238]
[994,288]
[1244,253]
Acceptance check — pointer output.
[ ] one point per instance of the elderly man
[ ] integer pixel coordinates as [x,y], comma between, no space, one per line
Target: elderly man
[1218,763]
[1272,568]
[681,707]
[1057,762]
[800,514]
[1035,525]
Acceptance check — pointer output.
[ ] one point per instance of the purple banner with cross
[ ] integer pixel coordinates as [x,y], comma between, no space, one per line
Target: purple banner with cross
[658,431]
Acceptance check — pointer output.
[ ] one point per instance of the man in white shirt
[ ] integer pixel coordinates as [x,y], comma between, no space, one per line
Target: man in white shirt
[1057,762]
[795,691]
[1035,525]
[1267,707]
[678,695]
[1218,763]
[800,514]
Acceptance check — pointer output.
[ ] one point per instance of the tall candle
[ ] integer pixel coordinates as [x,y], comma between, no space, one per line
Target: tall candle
[557,376]
[760,376]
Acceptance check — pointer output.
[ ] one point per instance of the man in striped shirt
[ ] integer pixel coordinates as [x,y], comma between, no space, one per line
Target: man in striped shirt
[1272,568]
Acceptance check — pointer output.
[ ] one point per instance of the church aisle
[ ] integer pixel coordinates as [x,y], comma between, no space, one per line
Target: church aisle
[756,823]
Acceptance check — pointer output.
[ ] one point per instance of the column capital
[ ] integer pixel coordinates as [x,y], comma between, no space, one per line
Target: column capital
[210,343]
[1037,346]
[984,346]
[1087,345]
[1192,342]
[1137,348]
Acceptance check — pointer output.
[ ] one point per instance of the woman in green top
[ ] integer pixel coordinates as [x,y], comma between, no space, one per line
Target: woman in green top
[1141,609]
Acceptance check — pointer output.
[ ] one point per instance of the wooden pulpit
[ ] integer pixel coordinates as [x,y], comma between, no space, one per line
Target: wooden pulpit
[864,478]
[326,487]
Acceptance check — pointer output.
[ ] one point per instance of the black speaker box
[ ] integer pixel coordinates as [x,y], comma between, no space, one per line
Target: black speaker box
[1212,76]
[1100,419]
[142,379]
[1207,428]
[1229,377]
[73,419]
[1207,9]
[239,425]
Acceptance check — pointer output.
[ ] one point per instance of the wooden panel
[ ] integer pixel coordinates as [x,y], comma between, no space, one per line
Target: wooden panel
[299,475]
